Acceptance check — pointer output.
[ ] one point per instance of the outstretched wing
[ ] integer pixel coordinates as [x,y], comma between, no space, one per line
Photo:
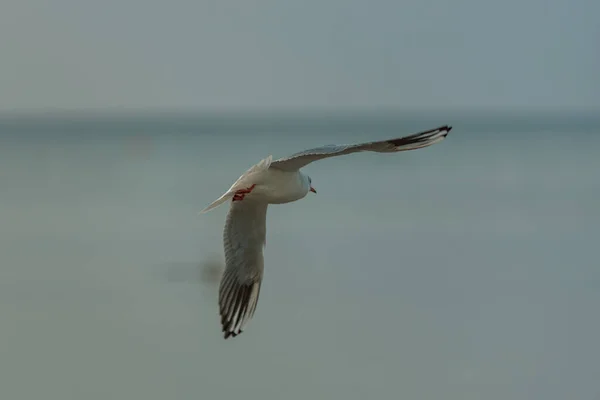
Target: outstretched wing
[244,240]
[411,142]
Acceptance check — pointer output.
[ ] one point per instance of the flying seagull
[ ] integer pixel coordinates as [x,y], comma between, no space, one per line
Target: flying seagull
[276,182]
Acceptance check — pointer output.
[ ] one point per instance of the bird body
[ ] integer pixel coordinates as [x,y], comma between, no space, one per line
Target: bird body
[275,186]
[270,185]
[276,182]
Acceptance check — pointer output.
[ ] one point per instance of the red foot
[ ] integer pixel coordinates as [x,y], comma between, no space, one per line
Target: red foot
[240,194]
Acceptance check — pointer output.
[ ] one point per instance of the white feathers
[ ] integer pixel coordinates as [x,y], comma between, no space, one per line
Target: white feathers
[228,195]
[245,180]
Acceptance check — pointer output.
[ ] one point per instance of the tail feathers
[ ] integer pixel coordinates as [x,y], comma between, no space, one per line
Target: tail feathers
[218,202]
[261,166]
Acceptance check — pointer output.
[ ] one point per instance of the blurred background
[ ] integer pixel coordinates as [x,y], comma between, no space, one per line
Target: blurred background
[467,270]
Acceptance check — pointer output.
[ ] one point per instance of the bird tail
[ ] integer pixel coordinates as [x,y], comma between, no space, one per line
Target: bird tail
[242,180]
[218,202]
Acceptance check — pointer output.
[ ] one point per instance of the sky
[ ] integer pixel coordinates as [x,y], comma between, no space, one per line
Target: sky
[310,54]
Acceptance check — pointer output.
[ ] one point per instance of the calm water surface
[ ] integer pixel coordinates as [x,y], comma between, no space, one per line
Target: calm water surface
[468,270]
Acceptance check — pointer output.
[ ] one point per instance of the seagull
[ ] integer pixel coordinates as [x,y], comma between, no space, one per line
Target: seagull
[276,182]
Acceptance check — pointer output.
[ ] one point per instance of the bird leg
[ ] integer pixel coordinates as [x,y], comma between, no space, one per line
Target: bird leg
[240,194]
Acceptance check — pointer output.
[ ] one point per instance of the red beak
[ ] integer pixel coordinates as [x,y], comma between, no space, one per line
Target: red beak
[312,189]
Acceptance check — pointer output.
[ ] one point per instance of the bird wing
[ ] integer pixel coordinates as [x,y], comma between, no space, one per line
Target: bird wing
[410,142]
[244,240]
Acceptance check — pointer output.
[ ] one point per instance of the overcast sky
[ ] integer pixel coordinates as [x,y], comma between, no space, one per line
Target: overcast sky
[242,54]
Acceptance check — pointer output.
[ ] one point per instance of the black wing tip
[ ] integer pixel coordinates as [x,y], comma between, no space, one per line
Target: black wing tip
[239,306]
[422,137]
[228,334]
[444,128]
[226,326]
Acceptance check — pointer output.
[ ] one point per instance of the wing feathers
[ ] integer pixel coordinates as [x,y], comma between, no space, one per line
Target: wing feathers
[237,302]
[422,137]
[410,142]
[243,239]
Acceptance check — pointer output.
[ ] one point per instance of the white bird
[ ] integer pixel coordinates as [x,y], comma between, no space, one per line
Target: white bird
[276,182]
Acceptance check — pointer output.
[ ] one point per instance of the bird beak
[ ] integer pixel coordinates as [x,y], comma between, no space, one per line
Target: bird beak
[312,189]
